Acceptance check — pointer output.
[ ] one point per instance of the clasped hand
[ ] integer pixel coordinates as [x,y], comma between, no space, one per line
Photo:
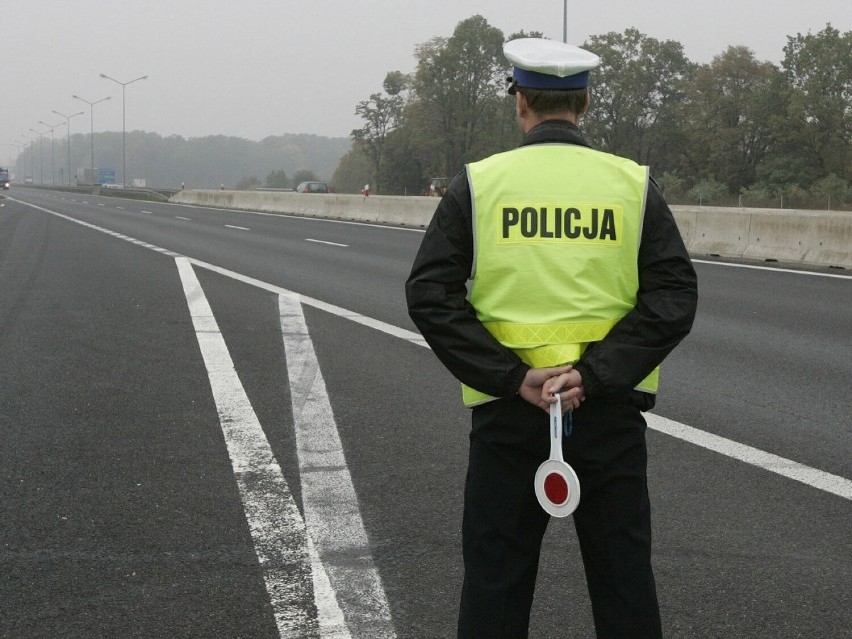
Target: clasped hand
[540,386]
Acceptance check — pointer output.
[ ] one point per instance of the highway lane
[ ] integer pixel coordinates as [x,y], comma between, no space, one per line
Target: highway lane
[120,514]
[274,250]
[767,363]
[739,551]
[784,398]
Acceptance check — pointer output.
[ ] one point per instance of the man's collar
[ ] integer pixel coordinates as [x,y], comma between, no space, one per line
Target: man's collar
[554,131]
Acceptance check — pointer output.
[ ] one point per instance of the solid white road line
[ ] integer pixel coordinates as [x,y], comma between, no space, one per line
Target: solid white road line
[822,480]
[771,268]
[178,217]
[115,234]
[307,239]
[239,228]
[332,514]
[384,327]
[277,528]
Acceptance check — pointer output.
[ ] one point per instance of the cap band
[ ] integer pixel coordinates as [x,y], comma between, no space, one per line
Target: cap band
[536,80]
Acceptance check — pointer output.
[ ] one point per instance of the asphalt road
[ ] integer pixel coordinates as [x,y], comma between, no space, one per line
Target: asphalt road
[129,509]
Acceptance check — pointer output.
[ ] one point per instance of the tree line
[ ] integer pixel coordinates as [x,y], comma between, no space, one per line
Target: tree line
[734,131]
[205,162]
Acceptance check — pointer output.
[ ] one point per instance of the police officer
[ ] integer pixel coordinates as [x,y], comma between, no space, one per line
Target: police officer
[579,283]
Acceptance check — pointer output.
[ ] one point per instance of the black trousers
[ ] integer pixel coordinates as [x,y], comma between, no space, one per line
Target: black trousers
[504,524]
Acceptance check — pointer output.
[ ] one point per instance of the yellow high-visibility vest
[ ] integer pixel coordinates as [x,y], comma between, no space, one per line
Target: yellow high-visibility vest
[556,231]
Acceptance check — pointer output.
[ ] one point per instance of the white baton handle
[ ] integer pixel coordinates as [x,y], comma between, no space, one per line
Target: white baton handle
[556,429]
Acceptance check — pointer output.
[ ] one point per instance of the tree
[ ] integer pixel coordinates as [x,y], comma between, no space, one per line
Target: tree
[706,191]
[778,174]
[352,173]
[735,100]
[523,34]
[248,183]
[833,188]
[671,185]
[457,85]
[381,114]
[303,175]
[278,180]
[404,172]
[637,95]
[819,69]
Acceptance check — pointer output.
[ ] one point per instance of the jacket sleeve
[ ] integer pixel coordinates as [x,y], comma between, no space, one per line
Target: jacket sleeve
[436,294]
[663,314]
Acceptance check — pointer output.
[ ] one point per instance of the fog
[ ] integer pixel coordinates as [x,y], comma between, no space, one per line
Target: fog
[257,68]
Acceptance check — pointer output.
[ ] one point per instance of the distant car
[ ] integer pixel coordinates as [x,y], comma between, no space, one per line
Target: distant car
[313,187]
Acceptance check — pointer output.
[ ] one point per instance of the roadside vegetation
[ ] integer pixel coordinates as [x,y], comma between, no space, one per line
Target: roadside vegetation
[278,161]
[735,131]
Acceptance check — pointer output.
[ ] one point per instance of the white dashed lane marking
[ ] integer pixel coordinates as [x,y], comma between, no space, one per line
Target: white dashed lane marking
[307,239]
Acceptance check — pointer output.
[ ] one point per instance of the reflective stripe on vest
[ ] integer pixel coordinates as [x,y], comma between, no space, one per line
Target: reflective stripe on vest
[556,240]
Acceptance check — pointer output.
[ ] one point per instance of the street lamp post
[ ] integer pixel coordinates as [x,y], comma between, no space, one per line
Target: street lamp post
[123,123]
[68,132]
[565,23]
[41,154]
[52,161]
[92,124]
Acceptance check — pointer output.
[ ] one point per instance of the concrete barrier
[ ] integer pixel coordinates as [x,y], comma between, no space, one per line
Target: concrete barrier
[393,210]
[686,220]
[720,231]
[818,238]
[802,236]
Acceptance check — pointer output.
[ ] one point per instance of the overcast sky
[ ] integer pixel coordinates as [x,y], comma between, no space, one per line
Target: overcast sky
[254,68]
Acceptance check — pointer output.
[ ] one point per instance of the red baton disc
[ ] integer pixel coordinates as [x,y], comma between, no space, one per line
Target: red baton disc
[556,488]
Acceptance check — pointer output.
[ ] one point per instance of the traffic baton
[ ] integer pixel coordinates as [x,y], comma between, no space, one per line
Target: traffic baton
[556,485]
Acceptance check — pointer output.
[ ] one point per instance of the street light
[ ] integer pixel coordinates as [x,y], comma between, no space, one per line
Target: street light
[68,131]
[52,162]
[92,130]
[123,123]
[41,154]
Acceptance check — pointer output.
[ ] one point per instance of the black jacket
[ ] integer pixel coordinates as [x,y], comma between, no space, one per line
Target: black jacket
[437,298]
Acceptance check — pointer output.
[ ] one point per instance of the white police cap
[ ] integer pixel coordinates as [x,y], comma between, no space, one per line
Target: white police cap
[548,64]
